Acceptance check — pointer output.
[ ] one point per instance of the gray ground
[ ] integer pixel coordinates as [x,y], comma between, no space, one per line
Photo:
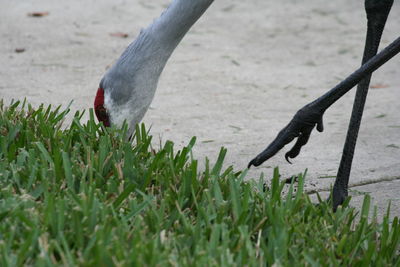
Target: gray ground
[235,81]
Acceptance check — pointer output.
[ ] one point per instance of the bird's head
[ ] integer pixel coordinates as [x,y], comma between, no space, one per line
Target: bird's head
[123,98]
[99,108]
[127,88]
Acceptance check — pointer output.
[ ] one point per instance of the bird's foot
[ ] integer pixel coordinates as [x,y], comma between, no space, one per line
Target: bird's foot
[299,127]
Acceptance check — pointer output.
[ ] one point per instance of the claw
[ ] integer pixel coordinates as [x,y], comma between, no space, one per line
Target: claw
[301,141]
[252,163]
[320,125]
[287,157]
[301,127]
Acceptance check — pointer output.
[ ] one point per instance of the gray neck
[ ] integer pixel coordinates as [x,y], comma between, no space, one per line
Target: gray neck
[176,21]
[155,44]
[142,62]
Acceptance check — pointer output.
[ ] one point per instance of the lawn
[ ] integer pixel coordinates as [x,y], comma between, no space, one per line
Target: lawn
[83,195]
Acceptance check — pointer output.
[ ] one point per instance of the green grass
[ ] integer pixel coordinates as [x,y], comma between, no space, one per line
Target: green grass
[83,195]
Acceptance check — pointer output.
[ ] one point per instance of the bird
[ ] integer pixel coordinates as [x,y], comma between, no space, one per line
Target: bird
[311,115]
[128,87]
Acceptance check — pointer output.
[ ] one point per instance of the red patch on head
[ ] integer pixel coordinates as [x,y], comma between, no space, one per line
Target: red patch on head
[99,109]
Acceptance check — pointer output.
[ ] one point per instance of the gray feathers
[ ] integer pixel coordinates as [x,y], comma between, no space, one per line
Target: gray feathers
[131,82]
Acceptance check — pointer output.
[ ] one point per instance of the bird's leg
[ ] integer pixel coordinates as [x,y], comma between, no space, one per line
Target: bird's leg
[377,13]
[311,114]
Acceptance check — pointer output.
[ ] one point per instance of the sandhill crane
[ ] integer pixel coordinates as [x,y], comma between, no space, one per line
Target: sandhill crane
[128,87]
